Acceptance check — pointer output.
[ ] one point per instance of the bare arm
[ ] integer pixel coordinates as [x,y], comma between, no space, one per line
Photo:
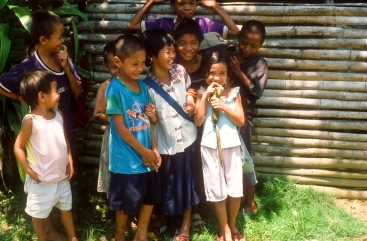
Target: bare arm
[232,27]
[235,64]
[149,110]
[70,166]
[148,156]
[22,138]
[155,148]
[135,22]
[190,105]
[100,107]
[201,103]
[73,82]
[236,116]
[11,95]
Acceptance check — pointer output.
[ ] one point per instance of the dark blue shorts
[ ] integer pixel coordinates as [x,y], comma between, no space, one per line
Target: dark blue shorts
[127,192]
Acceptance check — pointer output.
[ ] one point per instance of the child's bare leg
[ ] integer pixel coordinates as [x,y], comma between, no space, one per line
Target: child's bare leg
[50,231]
[68,223]
[249,205]
[186,222]
[38,226]
[233,207]
[143,221]
[121,220]
[221,213]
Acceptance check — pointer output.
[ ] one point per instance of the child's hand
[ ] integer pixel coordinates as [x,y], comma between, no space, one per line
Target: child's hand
[191,92]
[209,3]
[190,108]
[156,1]
[217,104]
[149,110]
[32,174]
[210,90]
[63,57]
[150,160]
[69,171]
[235,65]
[158,156]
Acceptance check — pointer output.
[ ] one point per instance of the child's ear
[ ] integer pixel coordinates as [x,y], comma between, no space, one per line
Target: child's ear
[105,66]
[41,96]
[117,61]
[42,40]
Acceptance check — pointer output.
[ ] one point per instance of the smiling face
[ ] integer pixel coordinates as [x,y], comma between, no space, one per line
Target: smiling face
[187,46]
[54,42]
[131,67]
[52,98]
[184,8]
[165,57]
[218,74]
[249,44]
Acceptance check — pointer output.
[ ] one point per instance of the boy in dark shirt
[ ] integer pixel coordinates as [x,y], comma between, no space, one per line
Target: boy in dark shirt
[250,72]
[46,32]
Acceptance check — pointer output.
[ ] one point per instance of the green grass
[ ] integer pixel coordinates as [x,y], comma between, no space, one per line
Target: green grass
[285,213]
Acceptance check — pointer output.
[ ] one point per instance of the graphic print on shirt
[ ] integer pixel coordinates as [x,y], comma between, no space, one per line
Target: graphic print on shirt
[137,118]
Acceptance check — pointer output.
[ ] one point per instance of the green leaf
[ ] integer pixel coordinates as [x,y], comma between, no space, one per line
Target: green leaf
[82,72]
[5,44]
[3,3]
[78,13]
[76,39]
[24,15]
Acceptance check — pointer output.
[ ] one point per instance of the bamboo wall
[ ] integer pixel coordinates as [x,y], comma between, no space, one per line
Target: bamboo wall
[310,123]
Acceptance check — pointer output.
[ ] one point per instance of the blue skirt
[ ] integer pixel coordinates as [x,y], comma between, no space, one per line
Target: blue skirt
[178,180]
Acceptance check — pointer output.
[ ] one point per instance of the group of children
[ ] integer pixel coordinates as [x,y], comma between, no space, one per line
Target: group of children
[153,154]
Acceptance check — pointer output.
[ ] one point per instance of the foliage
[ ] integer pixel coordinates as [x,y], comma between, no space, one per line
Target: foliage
[15,16]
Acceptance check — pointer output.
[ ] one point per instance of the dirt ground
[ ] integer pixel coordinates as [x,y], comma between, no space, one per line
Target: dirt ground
[358,208]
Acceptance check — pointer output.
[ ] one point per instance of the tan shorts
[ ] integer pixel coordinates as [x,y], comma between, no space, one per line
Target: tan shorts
[222,181]
[45,195]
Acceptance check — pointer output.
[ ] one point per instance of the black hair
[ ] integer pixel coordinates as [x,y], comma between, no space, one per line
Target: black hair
[43,23]
[126,45]
[108,49]
[188,26]
[214,56]
[173,1]
[154,40]
[254,27]
[33,83]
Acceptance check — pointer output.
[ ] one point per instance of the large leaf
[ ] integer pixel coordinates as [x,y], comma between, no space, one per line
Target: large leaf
[3,3]
[76,39]
[5,44]
[24,15]
[78,13]
[82,72]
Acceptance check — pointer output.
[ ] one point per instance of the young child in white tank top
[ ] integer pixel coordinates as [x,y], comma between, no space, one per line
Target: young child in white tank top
[48,161]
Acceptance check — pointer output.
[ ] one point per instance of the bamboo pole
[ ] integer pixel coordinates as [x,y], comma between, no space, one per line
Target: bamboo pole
[89,160]
[314,43]
[304,162]
[339,192]
[102,25]
[317,75]
[313,134]
[316,85]
[312,172]
[310,124]
[95,153]
[92,144]
[325,181]
[312,103]
[233,9]
[95,137]
[308,152]
[316,64]
[309,143]
[337,95]
[97,128]
[318,54]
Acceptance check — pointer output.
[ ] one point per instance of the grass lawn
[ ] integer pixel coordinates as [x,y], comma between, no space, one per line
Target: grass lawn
[285,213]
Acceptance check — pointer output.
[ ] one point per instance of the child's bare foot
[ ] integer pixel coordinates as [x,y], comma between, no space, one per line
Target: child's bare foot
[236,235]
[225,235]
[118,238]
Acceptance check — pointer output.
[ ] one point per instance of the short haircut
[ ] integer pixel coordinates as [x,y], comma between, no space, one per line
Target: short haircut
[33,83]
[43,23]
[126,45]
[214,56]
[188,26]
[173,1]
[254,27]
[108,49]
[154,40]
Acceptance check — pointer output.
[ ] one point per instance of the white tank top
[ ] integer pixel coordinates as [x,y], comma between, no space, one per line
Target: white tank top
[46,148]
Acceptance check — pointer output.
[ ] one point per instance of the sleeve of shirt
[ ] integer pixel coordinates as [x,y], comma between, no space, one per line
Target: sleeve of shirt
[150,24]
[10,81]
[72,68]
[259,78]
[114,105]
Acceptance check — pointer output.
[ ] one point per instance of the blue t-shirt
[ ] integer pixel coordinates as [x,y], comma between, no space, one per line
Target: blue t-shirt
[122,101]
[10,82]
